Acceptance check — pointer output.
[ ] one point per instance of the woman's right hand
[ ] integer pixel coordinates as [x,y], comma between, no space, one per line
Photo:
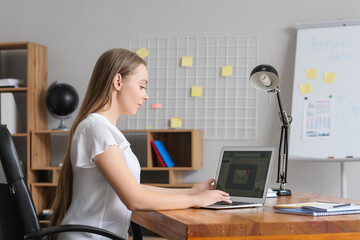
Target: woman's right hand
[209,197]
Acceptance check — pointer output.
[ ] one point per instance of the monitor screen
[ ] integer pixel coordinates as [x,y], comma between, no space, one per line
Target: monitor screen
[244,173]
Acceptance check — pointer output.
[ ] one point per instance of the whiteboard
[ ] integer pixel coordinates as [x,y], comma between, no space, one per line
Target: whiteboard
[326,94]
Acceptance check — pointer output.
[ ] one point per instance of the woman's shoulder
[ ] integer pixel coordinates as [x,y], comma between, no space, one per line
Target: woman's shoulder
[96,124]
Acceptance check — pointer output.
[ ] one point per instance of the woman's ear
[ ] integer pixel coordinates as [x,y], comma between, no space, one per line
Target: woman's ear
[117,81]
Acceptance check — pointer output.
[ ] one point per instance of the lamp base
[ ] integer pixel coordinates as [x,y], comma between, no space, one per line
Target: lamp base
[282,192]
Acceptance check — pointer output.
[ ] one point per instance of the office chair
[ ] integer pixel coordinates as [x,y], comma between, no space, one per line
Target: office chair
[18,217]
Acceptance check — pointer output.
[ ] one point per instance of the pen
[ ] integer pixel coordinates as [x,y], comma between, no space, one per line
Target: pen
[341,205]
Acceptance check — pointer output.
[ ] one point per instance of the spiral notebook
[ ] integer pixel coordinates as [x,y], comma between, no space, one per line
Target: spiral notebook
[304,212]
[318,208]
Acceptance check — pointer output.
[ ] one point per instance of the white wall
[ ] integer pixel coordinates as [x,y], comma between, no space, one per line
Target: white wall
[77,32]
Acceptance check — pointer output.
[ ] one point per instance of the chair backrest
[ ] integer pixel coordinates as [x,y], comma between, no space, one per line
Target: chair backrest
[18,193]
[11,226]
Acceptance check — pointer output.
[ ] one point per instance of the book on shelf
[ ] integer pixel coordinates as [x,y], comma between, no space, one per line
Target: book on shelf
[10,82]
[10,113]
[163,153]
[162,163]
[318,209]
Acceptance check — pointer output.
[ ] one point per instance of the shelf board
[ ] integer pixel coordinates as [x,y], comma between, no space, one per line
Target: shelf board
[48,131]
[43,184]
[17,45]
[166,168]
[19,89]
[179,185]
[46,168]
[19,135]
[158,130]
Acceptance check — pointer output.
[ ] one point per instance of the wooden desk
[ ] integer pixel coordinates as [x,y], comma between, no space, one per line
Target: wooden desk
[252,223]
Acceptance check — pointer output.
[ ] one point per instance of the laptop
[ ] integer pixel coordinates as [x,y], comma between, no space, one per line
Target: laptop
[244,173]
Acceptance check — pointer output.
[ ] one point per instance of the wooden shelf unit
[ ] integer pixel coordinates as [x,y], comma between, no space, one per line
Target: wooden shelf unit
[47,173]
[185,147]
[14,57]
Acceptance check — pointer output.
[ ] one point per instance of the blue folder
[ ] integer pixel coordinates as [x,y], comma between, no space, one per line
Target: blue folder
[164,154]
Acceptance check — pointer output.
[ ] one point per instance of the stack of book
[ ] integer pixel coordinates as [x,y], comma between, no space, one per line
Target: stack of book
[318,208]
[10,112]
[10,82]
[162,154]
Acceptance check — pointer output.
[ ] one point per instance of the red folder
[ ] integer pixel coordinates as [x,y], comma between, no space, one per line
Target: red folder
[158,154]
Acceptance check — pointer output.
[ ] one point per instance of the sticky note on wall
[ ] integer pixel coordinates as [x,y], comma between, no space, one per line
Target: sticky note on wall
[311,73]
[143,52]
[329,77]
[176,122]
[186,61]
[305,88]
[156,105]
[196,91]
[226,71]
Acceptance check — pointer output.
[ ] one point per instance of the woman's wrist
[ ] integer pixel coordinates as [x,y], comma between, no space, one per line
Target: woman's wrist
[195,201]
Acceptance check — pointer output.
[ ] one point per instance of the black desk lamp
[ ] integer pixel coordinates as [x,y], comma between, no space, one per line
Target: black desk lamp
[265,77]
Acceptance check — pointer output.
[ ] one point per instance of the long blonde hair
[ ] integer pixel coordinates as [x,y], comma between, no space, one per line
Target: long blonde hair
[97,96]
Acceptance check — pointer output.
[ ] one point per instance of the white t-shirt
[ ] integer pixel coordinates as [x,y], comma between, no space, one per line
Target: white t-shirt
[94,202]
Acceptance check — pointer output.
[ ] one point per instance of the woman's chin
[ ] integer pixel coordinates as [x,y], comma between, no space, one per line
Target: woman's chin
[133,113]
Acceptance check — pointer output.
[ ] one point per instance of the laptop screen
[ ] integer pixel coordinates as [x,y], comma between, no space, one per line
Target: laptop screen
[244,173]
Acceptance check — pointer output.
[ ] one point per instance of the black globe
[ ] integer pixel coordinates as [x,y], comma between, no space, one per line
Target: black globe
[61,99]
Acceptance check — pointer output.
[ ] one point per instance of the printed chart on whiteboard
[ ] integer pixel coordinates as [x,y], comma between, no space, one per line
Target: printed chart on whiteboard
[318,116]
[199,83]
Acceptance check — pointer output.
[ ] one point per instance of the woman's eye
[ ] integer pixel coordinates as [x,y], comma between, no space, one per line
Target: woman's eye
[142,87]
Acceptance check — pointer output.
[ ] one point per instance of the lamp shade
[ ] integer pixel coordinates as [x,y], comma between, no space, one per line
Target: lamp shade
[264,77]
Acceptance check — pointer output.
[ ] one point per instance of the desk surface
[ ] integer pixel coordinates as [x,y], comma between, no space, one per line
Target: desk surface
[252,223]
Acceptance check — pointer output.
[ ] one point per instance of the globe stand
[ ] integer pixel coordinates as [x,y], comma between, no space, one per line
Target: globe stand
[62,126]
[61,100]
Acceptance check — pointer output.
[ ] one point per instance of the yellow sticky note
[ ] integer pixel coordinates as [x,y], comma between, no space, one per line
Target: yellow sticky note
[149,127]
[305,88]
[311,73]
[176,122]
[226,71]
[143,52]
[196,91]
[329,77]
[186,61]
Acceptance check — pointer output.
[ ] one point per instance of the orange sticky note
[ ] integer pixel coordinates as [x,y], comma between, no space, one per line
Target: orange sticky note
[226,71]
[143,52]
[196,91]
[311,73]
[186,61]
[329,77]
[156,105]
[176,122]
[305,88]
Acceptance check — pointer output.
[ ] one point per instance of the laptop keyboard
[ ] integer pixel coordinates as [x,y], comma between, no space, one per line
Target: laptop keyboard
[232,204]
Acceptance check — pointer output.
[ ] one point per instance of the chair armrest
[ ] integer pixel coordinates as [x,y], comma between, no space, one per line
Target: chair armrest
[73,228]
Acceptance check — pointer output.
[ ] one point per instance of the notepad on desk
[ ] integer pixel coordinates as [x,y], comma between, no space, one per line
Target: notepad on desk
[318,208]
[331,207]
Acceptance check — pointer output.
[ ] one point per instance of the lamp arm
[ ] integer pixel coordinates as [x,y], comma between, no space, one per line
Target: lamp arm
[283,145]
[284,117]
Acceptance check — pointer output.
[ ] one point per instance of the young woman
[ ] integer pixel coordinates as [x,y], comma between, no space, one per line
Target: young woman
[99,182]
